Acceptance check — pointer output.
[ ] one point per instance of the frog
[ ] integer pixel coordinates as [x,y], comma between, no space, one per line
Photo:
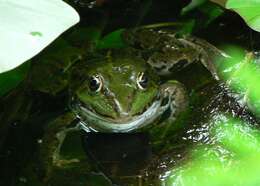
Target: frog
[121,91]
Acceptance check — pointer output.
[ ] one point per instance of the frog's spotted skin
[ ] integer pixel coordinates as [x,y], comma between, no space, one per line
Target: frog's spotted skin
[168,53]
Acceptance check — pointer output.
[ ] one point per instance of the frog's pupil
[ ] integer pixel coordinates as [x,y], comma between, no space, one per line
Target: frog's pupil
[94,84]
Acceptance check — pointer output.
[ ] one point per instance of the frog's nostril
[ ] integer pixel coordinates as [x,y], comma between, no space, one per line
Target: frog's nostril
[120,109]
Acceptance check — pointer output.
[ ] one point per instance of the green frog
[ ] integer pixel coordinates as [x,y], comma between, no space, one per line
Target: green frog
[121,90]
[124,90]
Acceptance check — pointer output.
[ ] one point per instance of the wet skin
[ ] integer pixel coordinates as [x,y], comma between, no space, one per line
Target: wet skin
[122,94]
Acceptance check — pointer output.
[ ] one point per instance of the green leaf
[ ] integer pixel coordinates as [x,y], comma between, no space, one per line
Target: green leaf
[112,40]
[192,5]
[220,2]
[248,10]
[212,11]
[28,26]
[84,35]
[203,13]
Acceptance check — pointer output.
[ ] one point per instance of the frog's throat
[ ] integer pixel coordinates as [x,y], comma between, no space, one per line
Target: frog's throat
[92,121]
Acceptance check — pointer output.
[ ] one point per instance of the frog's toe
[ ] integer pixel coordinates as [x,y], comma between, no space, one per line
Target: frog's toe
[177,93]
[66,162]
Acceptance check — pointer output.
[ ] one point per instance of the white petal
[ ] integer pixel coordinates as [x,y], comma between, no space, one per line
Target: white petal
[28,26]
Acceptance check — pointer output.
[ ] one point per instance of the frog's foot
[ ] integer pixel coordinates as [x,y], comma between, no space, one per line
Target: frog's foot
[46,171]
[49,148]
[177,94]
[65,162]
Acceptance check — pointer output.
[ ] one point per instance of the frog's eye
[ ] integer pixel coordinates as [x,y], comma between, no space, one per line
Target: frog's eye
[95,83]
[142,81]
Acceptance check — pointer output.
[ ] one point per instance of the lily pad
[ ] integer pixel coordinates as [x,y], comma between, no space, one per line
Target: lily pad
[28,26]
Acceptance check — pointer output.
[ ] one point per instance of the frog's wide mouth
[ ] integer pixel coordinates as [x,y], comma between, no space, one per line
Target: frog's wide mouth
[97,122]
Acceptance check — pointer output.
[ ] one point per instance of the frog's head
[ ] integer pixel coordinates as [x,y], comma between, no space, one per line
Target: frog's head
[116,95]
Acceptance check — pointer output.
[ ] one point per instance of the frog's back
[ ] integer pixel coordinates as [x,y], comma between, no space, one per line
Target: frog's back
[168,52]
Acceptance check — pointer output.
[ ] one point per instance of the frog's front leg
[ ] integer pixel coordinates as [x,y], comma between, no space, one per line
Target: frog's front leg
[51,142]
[176,93]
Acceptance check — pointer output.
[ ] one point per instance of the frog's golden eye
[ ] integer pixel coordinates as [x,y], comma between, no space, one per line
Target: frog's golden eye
[142,81]
[95,83]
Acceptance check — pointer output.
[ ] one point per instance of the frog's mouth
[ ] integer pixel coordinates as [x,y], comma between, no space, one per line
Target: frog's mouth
[92,121]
